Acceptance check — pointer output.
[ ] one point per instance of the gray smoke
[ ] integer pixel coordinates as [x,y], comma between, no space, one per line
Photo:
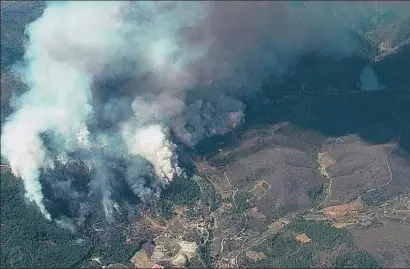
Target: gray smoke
[369,81]
[113,80]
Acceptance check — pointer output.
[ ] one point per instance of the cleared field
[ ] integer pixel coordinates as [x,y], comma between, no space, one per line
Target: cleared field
[277,165]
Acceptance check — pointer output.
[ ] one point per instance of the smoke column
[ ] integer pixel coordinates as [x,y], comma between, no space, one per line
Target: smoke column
[114,80]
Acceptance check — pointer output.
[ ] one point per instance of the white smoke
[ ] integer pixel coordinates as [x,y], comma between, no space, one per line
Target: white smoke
[175,66]
[152,143]
[25,153]
[60,61]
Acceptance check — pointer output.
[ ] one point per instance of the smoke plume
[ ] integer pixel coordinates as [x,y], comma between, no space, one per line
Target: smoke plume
[114,84]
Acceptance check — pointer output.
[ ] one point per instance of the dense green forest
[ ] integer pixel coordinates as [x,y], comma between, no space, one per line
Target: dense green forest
[242,200]
[28,240]
[283,251]
[376,197]
[205,254]
[322,233]
[181,191]
[357,259]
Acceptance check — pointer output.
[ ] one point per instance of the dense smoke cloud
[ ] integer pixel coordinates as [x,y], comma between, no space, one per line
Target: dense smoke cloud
[110,82]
